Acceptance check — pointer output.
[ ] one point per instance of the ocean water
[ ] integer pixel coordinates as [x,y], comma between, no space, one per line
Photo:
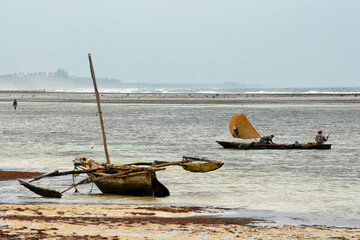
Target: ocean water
[289,186]
[166,88]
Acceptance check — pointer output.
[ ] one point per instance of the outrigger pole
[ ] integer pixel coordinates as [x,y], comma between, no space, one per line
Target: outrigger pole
[99,109]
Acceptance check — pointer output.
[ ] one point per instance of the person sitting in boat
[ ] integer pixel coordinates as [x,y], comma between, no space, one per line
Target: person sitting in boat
[320,139]
[267,139]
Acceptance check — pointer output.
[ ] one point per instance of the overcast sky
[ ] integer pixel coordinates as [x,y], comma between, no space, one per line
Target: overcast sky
[282,43]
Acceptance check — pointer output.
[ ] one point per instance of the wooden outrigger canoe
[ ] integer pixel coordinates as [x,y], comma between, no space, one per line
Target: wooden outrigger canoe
[134,180]
[254,145]
[138,179]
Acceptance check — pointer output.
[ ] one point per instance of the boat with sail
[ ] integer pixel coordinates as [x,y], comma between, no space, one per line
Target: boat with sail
[240,127]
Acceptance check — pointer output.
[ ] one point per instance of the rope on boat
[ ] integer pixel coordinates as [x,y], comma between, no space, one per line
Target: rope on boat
[92,187]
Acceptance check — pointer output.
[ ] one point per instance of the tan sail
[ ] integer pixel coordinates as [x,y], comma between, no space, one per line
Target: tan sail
[240,127]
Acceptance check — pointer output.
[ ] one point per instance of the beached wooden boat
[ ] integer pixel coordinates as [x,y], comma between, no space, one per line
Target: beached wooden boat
[254,145]
[240,127]
[135,180]
[138,179]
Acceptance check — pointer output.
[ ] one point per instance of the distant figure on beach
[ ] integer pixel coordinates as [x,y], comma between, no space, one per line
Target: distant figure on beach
[267,139]
[320,139]
[15,104]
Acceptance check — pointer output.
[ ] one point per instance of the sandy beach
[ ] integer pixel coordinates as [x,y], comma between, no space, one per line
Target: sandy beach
[181,98]
[146,222]
[59,221]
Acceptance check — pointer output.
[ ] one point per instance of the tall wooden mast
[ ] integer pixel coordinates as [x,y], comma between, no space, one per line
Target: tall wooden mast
[99,109]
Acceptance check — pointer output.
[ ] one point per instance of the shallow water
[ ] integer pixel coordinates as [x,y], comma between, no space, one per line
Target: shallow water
[285,184]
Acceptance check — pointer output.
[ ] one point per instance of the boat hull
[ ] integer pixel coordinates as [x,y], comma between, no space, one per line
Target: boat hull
[139,185]
[249,146]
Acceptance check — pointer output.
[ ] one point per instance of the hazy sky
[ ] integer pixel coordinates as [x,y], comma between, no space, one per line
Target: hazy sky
[283,43]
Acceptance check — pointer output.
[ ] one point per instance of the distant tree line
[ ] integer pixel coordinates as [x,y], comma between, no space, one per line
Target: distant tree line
[60,73]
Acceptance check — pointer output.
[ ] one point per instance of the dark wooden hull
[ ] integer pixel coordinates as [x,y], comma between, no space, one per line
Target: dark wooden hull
[139,185]
[245,146]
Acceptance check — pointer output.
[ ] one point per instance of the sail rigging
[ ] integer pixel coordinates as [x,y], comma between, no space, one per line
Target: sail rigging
[240,127]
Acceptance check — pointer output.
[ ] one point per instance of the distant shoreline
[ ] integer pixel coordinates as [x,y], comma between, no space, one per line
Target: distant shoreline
[182,98]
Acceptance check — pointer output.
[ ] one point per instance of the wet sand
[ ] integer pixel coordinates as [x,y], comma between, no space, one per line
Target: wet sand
[57,221]
[146,222]
[181,98]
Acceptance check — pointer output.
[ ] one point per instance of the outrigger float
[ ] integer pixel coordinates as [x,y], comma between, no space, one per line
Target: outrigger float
[240,127]
[137,179]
